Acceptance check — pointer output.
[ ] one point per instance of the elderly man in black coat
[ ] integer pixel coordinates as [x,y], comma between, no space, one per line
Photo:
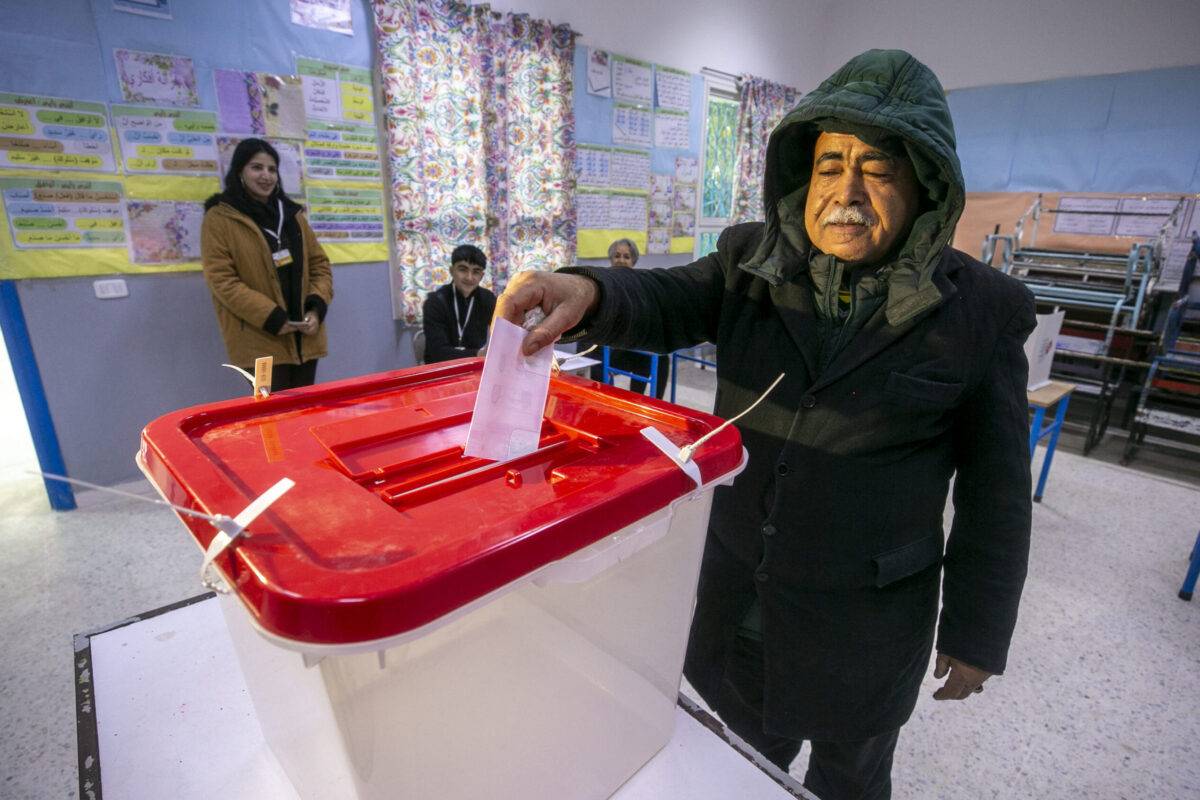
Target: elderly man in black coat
[818,597]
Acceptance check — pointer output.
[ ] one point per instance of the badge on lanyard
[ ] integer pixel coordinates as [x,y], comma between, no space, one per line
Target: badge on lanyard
[281,257]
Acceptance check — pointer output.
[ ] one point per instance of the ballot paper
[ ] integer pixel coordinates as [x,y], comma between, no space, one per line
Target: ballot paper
[507,421]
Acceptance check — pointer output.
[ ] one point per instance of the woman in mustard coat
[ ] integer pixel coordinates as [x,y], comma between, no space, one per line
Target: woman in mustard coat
[270,280]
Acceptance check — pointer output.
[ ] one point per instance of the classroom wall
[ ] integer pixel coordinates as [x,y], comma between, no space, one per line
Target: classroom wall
[985,42]
[111,366]
[1130,133]
[773,39]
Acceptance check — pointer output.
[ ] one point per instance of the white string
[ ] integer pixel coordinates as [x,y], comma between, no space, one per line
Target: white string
[180,509]
[685,452]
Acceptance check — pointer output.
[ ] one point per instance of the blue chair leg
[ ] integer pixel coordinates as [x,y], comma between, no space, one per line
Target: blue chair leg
[654,357]
[1059,416]
[1189,582]
[674,373]
[608,376]
[1035,430]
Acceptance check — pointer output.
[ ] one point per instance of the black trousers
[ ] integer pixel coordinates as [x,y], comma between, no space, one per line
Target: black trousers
[639,364]
[860,770]
[290,376]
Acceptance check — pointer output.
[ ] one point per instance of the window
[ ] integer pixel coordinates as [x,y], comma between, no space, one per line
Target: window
[718,158]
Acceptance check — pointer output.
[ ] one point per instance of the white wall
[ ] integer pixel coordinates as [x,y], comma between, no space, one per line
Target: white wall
[966,42]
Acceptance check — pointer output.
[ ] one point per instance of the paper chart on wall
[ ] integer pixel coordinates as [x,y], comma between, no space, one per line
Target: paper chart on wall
[658,241]
[672,129]
[683,224]
[632,125]
[627,211]
[163,231]
[146,8]
[346,213]
[632,80]
[52,133]
[1174,260]
[260,103]
[1096,217]
[156,78]
[591,209]
[329,15]
[342,151]
[687,170]
[592,165]
[599,73]
[336,92]
[672,88]
[166,140]
[283,105]
[630,169]
[662,201]
[291,161]
[1145,217]
[239,102]
[54,213]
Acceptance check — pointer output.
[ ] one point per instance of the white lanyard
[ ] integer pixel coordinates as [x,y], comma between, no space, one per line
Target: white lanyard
[462,326]
[278,232]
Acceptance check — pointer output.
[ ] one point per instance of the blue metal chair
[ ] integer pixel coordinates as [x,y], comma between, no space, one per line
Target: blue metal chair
[678,356]
[610,371]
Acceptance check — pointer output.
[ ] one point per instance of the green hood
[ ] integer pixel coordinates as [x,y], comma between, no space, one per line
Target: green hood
[880,91]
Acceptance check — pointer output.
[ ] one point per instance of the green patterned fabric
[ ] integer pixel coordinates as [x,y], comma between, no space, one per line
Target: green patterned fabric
[720,150]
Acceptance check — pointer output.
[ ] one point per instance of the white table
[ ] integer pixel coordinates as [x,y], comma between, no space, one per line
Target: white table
[163,711]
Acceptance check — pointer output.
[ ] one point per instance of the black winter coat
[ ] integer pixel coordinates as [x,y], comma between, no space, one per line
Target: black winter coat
[836,524]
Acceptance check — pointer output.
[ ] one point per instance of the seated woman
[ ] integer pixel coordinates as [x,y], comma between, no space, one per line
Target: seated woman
[624,253]
[458,315]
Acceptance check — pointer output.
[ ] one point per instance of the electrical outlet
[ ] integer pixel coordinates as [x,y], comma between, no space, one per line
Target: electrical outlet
[110,289]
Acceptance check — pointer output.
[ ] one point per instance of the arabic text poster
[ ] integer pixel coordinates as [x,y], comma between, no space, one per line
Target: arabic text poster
[156,78]
[346,214]
[63,213]
[51,133]
[166,140]
[341,151]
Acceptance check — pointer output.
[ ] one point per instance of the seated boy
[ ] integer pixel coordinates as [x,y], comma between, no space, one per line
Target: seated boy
[458,315]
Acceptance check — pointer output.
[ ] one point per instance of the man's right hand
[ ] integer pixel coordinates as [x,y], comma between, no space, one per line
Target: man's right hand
[565,300]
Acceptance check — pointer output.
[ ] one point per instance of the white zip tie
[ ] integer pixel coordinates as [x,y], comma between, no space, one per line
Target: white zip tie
[685,452]
[228,531]
[249,377]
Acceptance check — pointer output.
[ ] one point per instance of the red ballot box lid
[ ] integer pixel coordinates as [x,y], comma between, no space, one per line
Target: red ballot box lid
[388,526]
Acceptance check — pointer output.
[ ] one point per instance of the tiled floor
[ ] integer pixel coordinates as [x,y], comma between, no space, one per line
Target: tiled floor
[1099,701]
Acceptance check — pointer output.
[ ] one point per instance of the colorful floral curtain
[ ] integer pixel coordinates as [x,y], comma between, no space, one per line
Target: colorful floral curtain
[481,141]
[763,105]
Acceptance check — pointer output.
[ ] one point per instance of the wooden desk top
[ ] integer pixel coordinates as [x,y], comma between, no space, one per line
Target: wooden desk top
[1049,394]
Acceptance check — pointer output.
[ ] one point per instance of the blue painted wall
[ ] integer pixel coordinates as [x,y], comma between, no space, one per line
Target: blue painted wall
[1136,132]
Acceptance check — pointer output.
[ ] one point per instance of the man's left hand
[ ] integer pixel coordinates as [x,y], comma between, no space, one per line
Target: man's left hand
[964,679]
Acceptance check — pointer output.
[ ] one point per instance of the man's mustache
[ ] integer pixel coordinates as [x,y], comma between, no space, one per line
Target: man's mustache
[848,216]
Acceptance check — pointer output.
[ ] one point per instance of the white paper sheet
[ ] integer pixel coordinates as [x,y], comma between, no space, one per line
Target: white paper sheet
[511,401]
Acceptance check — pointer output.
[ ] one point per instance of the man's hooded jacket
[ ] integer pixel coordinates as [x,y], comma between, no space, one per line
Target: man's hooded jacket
[830,545]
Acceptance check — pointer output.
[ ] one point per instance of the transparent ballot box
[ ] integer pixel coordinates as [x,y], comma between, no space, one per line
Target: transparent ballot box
[412,623]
